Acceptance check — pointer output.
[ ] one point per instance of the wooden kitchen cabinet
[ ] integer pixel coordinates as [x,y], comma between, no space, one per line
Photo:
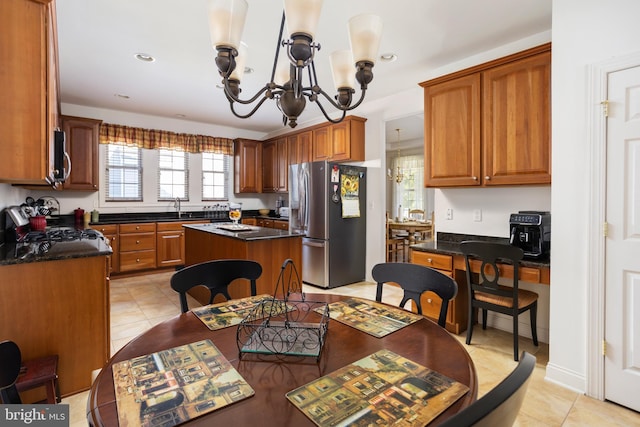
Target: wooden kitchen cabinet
[516,122]
[59,307]
[169,244]
[490,124]
[275,166]
[137,246]
[110,232]
[342,141]
[30,111]
[299,147]
[82,146]
[431,303]
[247,166]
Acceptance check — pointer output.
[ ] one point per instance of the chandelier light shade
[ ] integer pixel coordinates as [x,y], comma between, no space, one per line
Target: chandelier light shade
[293,79]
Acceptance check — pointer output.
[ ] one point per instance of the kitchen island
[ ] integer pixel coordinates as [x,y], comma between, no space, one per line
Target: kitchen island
[267,246]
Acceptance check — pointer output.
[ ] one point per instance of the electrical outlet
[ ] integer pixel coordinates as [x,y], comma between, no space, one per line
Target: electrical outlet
[477,215]
[449,214]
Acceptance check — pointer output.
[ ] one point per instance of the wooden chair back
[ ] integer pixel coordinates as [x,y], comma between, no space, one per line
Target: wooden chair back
[216,275]
[415,280]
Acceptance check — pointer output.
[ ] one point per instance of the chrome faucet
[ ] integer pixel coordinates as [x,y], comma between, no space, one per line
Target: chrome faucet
[176,205]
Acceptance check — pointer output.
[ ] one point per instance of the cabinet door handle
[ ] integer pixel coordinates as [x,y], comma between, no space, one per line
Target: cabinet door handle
[487,178]
[475,178]
[429,260]
[137,242]
[137,259]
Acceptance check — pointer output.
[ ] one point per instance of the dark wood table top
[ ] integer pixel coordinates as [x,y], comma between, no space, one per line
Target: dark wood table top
[423,342]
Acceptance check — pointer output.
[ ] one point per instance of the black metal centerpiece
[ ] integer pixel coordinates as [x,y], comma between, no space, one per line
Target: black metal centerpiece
[287,324]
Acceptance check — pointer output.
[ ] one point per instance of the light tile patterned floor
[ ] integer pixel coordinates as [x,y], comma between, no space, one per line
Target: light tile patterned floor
[137,303]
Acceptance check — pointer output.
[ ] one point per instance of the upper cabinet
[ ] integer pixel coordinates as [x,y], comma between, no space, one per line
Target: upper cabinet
[263,167]
[29,113]
[275,164]
[342,141]
[247,166]
[82,146]
[490,125]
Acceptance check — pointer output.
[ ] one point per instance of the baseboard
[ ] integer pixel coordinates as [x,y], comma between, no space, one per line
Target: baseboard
[566,378]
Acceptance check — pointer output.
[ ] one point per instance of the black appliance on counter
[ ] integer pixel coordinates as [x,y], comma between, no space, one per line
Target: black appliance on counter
[531,231]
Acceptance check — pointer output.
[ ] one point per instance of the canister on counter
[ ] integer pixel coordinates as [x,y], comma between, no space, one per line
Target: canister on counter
[95,216]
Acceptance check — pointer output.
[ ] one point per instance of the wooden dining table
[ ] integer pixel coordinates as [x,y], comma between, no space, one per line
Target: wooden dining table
[411,227]
[424,342]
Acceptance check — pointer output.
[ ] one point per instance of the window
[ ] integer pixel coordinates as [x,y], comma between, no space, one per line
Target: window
[124,173]
[215,173]
[173,175]
[410,192]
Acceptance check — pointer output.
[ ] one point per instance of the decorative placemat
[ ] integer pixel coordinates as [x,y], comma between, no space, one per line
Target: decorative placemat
[383,388]
[371,317]
[172,386]
[228,313]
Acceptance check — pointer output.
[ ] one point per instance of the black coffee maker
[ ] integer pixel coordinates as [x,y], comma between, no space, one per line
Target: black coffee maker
[531,231]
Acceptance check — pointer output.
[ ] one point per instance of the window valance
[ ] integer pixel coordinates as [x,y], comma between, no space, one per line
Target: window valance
[162,139]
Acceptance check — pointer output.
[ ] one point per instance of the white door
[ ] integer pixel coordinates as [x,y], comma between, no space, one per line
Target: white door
[622,265]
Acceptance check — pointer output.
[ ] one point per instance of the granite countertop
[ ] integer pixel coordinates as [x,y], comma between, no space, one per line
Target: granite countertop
[12,253]
[449,244]
[250,233]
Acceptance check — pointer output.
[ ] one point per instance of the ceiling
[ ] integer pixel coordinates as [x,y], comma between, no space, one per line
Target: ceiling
[99,38]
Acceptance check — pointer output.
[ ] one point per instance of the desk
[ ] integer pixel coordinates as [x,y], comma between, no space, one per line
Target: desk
[424,342]
[411,227]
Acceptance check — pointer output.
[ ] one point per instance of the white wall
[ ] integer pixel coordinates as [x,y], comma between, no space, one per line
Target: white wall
[584,32]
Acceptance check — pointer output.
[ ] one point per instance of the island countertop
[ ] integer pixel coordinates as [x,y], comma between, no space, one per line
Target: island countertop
[249,232]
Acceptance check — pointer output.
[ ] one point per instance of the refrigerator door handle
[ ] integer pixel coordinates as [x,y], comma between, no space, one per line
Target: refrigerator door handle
[315,244]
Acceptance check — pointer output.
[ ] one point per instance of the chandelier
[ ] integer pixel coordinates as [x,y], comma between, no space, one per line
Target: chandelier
[287,84]
[399,175]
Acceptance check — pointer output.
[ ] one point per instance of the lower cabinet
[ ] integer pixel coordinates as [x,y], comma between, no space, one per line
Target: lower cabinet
[170,243]
[137,246]
[431,303]
[110,232]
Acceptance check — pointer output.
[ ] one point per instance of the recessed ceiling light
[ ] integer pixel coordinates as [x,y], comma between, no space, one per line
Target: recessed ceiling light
[248,70]
[121,95]
[180,116]
[144,57]
[388,57]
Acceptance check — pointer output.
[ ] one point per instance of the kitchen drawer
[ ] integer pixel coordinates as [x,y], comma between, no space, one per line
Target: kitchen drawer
[281,225]
[169,226]
[429,259]
[527,274]
[137,242]
[137,260]
[268,223]
[106,229]
[431,304]
[147,227]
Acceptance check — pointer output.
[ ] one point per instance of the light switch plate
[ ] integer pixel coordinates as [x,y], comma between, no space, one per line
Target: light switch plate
[477,215]
[449,214]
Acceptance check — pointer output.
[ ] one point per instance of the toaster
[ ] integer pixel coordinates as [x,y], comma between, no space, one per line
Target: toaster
[284,212]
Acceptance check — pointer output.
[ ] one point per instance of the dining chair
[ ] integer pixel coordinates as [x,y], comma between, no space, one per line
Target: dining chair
[216,275]
[396,245]
[415,279]
[17,375]
[485,293]
[501,405]
[416,214]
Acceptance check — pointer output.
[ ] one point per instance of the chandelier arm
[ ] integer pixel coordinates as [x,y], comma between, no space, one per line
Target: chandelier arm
[278,42]
[232,98]
[250,113]
[326,116]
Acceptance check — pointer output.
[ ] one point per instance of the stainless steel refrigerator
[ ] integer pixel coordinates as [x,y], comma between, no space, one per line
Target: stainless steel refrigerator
[327,202]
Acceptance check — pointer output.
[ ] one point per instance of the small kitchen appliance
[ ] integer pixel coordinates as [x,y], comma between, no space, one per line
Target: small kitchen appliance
[531,231]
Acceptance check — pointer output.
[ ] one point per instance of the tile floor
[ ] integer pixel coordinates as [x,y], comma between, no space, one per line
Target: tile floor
[135,307]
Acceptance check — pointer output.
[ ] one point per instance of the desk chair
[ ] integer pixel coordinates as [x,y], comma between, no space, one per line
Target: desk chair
[500,406]
[216,276]
[486,294]
[415,280]
[17,376]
